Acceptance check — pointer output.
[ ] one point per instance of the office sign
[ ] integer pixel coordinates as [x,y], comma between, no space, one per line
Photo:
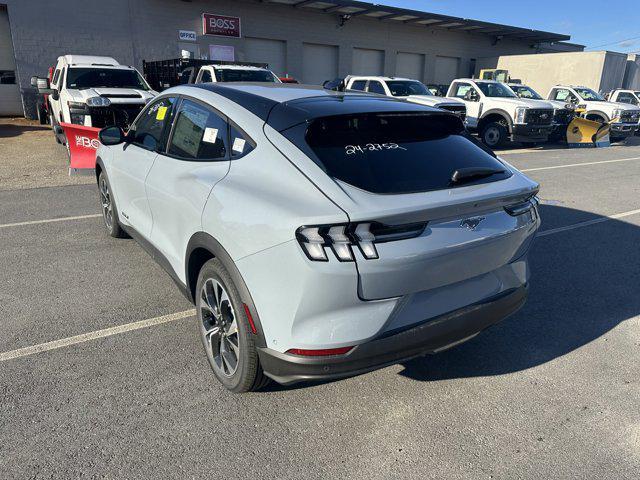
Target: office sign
[220,25]
[187,35]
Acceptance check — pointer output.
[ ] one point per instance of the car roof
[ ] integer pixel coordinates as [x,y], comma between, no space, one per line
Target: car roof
[89,60]
[285,105]
[235,67]
[377,77]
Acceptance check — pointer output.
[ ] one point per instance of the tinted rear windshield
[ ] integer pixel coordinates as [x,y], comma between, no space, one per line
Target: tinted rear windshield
[233,75]
[393,153]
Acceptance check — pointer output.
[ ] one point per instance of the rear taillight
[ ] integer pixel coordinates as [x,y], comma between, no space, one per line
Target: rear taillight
[522,207]
[342,238]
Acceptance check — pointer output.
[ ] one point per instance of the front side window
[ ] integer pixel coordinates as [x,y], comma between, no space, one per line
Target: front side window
[495,90]
[564,95]
[206,76]
[395,153]
[405,88]
[376,87]
[588,94]
[81,78]
[237,75]
[56,77]
[150,128]
[359,85]
[526,92]
[185,76]
[199,133]
[460,90]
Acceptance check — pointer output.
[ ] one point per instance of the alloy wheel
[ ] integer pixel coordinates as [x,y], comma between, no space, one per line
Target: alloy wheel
[219,327]
[492,136]
[107,205]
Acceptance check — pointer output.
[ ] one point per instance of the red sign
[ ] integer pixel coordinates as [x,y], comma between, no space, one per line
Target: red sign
[83,143]
[220,25]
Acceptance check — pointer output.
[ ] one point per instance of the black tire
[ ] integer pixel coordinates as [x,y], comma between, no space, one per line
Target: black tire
[494,134]
[617,139]
[43,118]
[53,123]
[247,375]
[108,207]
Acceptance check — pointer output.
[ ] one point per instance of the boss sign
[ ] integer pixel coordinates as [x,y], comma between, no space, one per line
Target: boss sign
[221,25]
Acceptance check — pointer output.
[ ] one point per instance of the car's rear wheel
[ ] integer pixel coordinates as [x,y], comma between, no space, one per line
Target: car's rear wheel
[225,331]
[494,135]
[109,211]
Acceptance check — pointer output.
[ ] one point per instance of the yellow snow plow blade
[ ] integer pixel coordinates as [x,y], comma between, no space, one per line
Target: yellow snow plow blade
[587,133]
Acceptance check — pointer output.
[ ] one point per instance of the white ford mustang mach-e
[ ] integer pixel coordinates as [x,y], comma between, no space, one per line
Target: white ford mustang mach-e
[320,234]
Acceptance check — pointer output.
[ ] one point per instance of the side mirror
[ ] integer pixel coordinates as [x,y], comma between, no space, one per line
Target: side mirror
[471,96]
[111,136]
[42,84]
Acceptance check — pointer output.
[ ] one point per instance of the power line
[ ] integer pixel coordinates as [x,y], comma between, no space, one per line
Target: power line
[615,43]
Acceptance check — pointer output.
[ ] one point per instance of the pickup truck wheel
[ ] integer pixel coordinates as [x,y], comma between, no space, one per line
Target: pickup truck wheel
[225,331]
[494,135]
[109,210]
[52,122]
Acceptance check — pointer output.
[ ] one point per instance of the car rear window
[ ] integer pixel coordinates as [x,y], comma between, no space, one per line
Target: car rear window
[394,153]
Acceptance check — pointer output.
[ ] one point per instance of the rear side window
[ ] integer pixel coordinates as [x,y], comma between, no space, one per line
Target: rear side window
[206,76]
[394,153]
[199,133]
[376,87]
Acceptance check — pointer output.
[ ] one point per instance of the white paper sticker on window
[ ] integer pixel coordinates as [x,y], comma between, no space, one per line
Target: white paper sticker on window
[210,135]
[238,145]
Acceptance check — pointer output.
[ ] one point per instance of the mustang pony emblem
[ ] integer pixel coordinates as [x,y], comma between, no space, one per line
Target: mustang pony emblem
[471,223]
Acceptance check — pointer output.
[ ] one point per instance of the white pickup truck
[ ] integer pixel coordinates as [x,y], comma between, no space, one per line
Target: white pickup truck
[235,73]
[624,117]
[405,89]
[563,112]
[94,92]
[498,115]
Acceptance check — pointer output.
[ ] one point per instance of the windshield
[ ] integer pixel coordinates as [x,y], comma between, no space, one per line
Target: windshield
[491,89]
[526,92]
[233,75]
[404,88]
[588,94]
[80,78]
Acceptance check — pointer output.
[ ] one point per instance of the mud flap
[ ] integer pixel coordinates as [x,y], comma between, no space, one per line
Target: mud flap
[583,133]
[82,143]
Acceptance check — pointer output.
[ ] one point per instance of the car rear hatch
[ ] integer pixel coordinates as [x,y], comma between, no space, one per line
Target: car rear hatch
[428,205]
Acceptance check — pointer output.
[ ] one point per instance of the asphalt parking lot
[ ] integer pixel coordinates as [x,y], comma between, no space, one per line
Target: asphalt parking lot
[552,392]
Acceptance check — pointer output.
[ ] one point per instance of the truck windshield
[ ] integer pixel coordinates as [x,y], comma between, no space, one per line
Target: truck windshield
[526,92]
[80,78]
[404,88]
[234,75]
[491,89]
[588,94]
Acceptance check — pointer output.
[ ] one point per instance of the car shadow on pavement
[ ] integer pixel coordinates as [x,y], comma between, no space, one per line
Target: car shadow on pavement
[584,282]
[14,129]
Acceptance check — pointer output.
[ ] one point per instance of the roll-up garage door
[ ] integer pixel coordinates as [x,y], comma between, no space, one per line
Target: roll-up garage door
[368,62]
[446,69]
[319,63]
[262,50]
[10,102]
[410,65]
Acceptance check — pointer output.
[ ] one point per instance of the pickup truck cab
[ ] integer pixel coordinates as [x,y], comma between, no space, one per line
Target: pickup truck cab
[624,117]
[497,114]
[563,112]
[235,73]
[631,97]
[404,89]
[95,92]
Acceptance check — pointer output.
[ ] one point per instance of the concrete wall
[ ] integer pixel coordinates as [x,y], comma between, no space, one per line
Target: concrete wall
[136,30]
[632,73]
[597,70]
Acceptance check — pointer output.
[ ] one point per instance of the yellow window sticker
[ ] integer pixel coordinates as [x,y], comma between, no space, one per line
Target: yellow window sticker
[162,112]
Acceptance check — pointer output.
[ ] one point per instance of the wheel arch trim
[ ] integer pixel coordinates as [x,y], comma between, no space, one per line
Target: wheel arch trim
[202,240]
[496,111]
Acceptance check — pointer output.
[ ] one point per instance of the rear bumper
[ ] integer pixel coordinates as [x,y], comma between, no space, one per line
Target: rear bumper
[432,336]
[531,133]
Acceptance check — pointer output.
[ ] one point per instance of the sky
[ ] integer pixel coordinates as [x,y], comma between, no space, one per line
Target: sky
[599,25]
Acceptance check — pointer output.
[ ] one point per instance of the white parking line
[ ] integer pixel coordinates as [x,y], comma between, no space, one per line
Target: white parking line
[50,220]
[587,223]
[579,164]
[86,337]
